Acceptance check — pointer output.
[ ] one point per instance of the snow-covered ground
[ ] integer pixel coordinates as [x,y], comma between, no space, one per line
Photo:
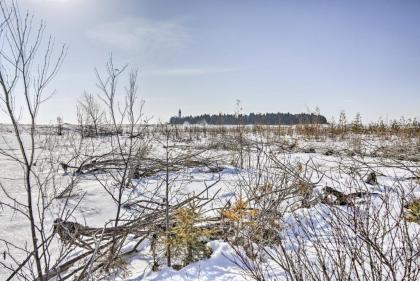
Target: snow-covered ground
[298,227]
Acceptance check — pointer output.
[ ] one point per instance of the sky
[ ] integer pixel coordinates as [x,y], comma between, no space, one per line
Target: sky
[275,56]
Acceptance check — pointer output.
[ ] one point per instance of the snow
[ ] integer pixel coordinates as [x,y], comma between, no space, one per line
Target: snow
[218,267]
[95,208]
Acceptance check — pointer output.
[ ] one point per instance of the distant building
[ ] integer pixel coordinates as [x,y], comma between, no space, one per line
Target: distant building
[179,114]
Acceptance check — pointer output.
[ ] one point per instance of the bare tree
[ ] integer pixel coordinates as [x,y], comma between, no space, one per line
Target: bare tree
[93,115]
[129,149]
[28,65]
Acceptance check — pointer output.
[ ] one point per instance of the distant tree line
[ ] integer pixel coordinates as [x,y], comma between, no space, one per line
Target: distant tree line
[251,119]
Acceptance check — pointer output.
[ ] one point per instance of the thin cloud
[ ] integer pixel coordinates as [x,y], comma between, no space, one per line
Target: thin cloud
[52,1]
[198,71]
[141,35]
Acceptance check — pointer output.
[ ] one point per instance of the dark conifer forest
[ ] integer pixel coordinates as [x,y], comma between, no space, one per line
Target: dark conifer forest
[252,118]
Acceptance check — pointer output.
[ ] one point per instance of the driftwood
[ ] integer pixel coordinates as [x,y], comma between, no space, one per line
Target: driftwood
[85,237]
[103,240]
[144,167]
[372,179]
[332,196]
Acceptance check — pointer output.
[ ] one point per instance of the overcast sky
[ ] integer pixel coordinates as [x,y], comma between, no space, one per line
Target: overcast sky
[275,56]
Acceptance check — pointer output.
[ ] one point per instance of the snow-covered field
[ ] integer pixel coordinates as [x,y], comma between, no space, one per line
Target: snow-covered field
[331,241]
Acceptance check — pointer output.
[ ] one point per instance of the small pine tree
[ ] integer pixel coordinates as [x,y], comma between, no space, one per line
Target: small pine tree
[188,241]
[357,126]
[413,211]
[240,217]
[342,122]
